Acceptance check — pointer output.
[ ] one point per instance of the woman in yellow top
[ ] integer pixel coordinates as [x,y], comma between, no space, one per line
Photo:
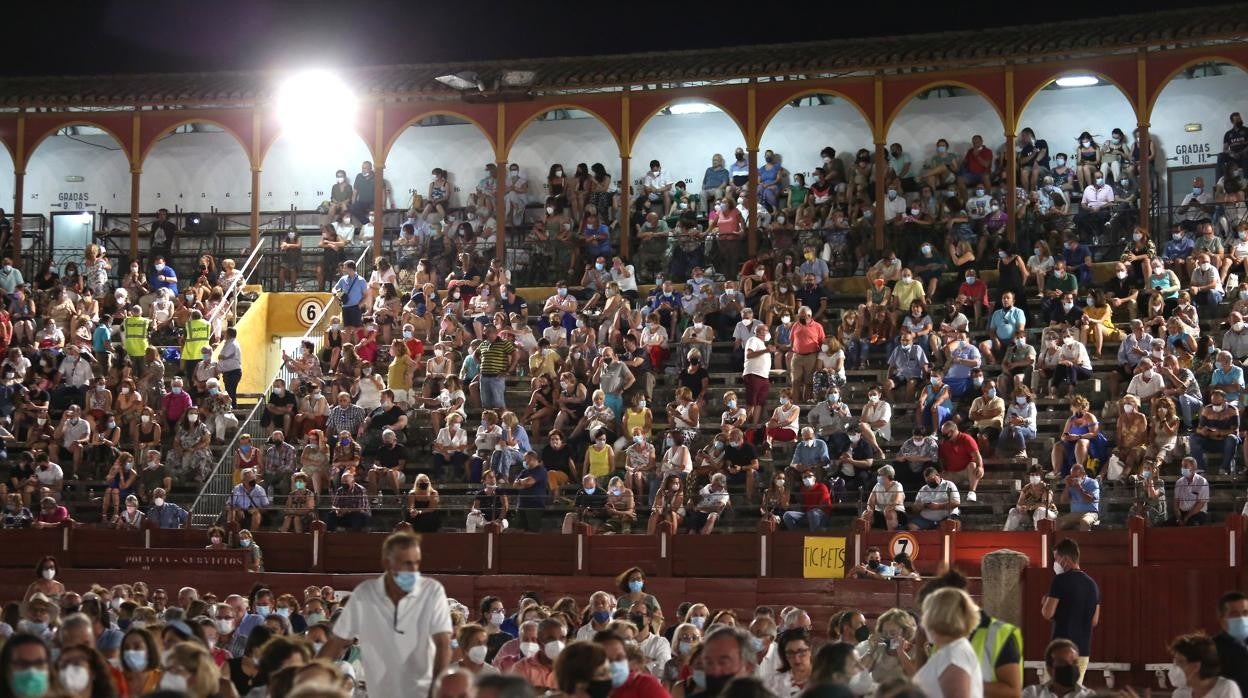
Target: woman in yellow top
[140,661]
[599,457]
[402,369]
[636,416]
[1100,324]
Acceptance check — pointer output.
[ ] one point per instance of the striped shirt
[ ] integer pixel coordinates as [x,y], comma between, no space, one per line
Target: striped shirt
[496,357]
[347,418]
[353,497]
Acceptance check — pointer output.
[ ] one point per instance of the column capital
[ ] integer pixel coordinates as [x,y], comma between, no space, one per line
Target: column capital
[136,170]
[1143,124]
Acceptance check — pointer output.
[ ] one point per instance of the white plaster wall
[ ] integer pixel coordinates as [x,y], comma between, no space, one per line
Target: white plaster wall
[567,142]
[7,180]
[300,173]
[195,171]
[98,159]
[205,167]
[461,150]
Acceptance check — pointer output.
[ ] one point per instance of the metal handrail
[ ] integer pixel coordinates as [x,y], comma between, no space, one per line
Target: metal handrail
[230,296]
[216,489]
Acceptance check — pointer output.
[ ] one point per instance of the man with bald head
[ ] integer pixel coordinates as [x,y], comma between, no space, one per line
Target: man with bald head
[455,683]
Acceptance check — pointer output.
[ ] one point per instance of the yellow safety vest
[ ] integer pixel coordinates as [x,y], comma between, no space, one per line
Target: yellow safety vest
[988,642]
[134,332]
[197,334]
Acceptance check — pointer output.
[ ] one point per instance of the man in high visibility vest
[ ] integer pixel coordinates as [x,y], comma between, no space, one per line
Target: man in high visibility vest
[998,644]
[135,331]
[198,335]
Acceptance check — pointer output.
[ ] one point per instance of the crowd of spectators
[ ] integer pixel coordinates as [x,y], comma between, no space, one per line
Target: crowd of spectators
[399,634]
[131,380]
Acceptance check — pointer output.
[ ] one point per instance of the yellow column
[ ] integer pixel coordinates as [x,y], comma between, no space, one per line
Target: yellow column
[881,137]
[136,173]
[19,186]
[255,177]
[1143,117]
[751,205]
[1011,158]
[379,192]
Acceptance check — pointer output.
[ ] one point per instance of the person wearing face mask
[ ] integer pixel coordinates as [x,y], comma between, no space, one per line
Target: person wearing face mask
[247,501]
[473,641]
[1205,281]
[25,666]
[1230,642]
[1218,431]
[1061,664]
[1196,206]
[401,621]
[538,669]
[1191,496]
[815,507]
[727,224]
[1195,668]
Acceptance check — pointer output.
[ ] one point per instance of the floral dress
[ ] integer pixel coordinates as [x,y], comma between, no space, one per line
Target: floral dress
[194,463]
[97,277]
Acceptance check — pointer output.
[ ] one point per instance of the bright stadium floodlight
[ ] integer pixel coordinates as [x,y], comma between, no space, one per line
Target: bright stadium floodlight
[316,103]
[692,108]
[1077,81]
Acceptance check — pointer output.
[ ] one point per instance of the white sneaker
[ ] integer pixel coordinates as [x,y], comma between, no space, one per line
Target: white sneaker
[971,496]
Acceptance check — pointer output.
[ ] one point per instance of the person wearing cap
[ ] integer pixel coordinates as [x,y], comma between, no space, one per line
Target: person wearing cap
[37,616]
[51,514]
[247,501]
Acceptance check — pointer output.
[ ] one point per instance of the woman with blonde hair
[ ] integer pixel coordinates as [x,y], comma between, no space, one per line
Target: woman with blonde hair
[422,506]
[189,668]
[886,654]
[949,617]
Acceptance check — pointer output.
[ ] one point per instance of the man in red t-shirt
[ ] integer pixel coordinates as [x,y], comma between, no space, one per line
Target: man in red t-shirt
[960,459]
[626,683]
[50,515]
[816,505]
[976,166]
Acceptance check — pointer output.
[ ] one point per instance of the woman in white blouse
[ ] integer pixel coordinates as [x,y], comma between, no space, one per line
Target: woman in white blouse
[876,418]
[1040,264]
[794,649]
[952,670]
[1020,423]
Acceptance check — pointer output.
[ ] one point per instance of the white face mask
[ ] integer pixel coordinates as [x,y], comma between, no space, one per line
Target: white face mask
[1034,479]
[552,649]
[528,649]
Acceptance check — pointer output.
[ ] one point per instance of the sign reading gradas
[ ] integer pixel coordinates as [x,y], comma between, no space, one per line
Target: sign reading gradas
[823,557]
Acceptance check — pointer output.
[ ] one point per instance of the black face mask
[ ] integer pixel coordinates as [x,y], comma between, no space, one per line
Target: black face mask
[1066,675]
[873,564]
[862,633]
[715,684]
[599,689]
[637,619]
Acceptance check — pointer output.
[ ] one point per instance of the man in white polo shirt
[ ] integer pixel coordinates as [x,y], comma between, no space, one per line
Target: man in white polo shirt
[1191,497]
[402,622]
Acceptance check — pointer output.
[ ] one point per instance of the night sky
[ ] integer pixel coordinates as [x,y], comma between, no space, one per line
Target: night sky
[143,36]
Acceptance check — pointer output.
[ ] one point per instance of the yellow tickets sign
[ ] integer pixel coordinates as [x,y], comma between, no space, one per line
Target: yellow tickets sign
[823,557]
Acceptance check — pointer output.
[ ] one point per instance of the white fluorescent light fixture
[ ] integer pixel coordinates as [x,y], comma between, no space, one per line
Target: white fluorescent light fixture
[460,81]
[518,78]
[316,103]
[1077,81]
[693,108]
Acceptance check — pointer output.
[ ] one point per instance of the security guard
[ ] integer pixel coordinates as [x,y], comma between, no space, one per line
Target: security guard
[198,334]
[135,331]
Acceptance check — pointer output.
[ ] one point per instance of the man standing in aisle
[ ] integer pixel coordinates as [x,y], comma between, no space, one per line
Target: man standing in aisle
[806,338]
[1073,602]
[402,623]
[350,291]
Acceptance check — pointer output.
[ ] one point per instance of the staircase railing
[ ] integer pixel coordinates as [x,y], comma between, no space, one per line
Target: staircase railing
[215,492]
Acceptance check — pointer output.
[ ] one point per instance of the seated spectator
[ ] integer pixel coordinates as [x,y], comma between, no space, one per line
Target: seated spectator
[886,504]
[1035,502]
[711,502]
[815,506]
[165,514]
[589,507]
[1191,497]
[1083,495]
[1061,666]
[247,502]
[1218,431]
[936,501]
[349,506]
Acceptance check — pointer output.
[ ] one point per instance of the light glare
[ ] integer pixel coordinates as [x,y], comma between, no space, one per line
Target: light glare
[1077,81]
[316,103]
[693,108]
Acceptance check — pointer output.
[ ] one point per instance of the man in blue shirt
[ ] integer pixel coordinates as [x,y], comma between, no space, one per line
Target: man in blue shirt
[350,290]
[1228,378]
[102,337]
[810,454]
[534,493]
[1006,321]
[165,514]
[963,358]
[1083,494]
[163,276]
[1177,249]
[1078,259]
